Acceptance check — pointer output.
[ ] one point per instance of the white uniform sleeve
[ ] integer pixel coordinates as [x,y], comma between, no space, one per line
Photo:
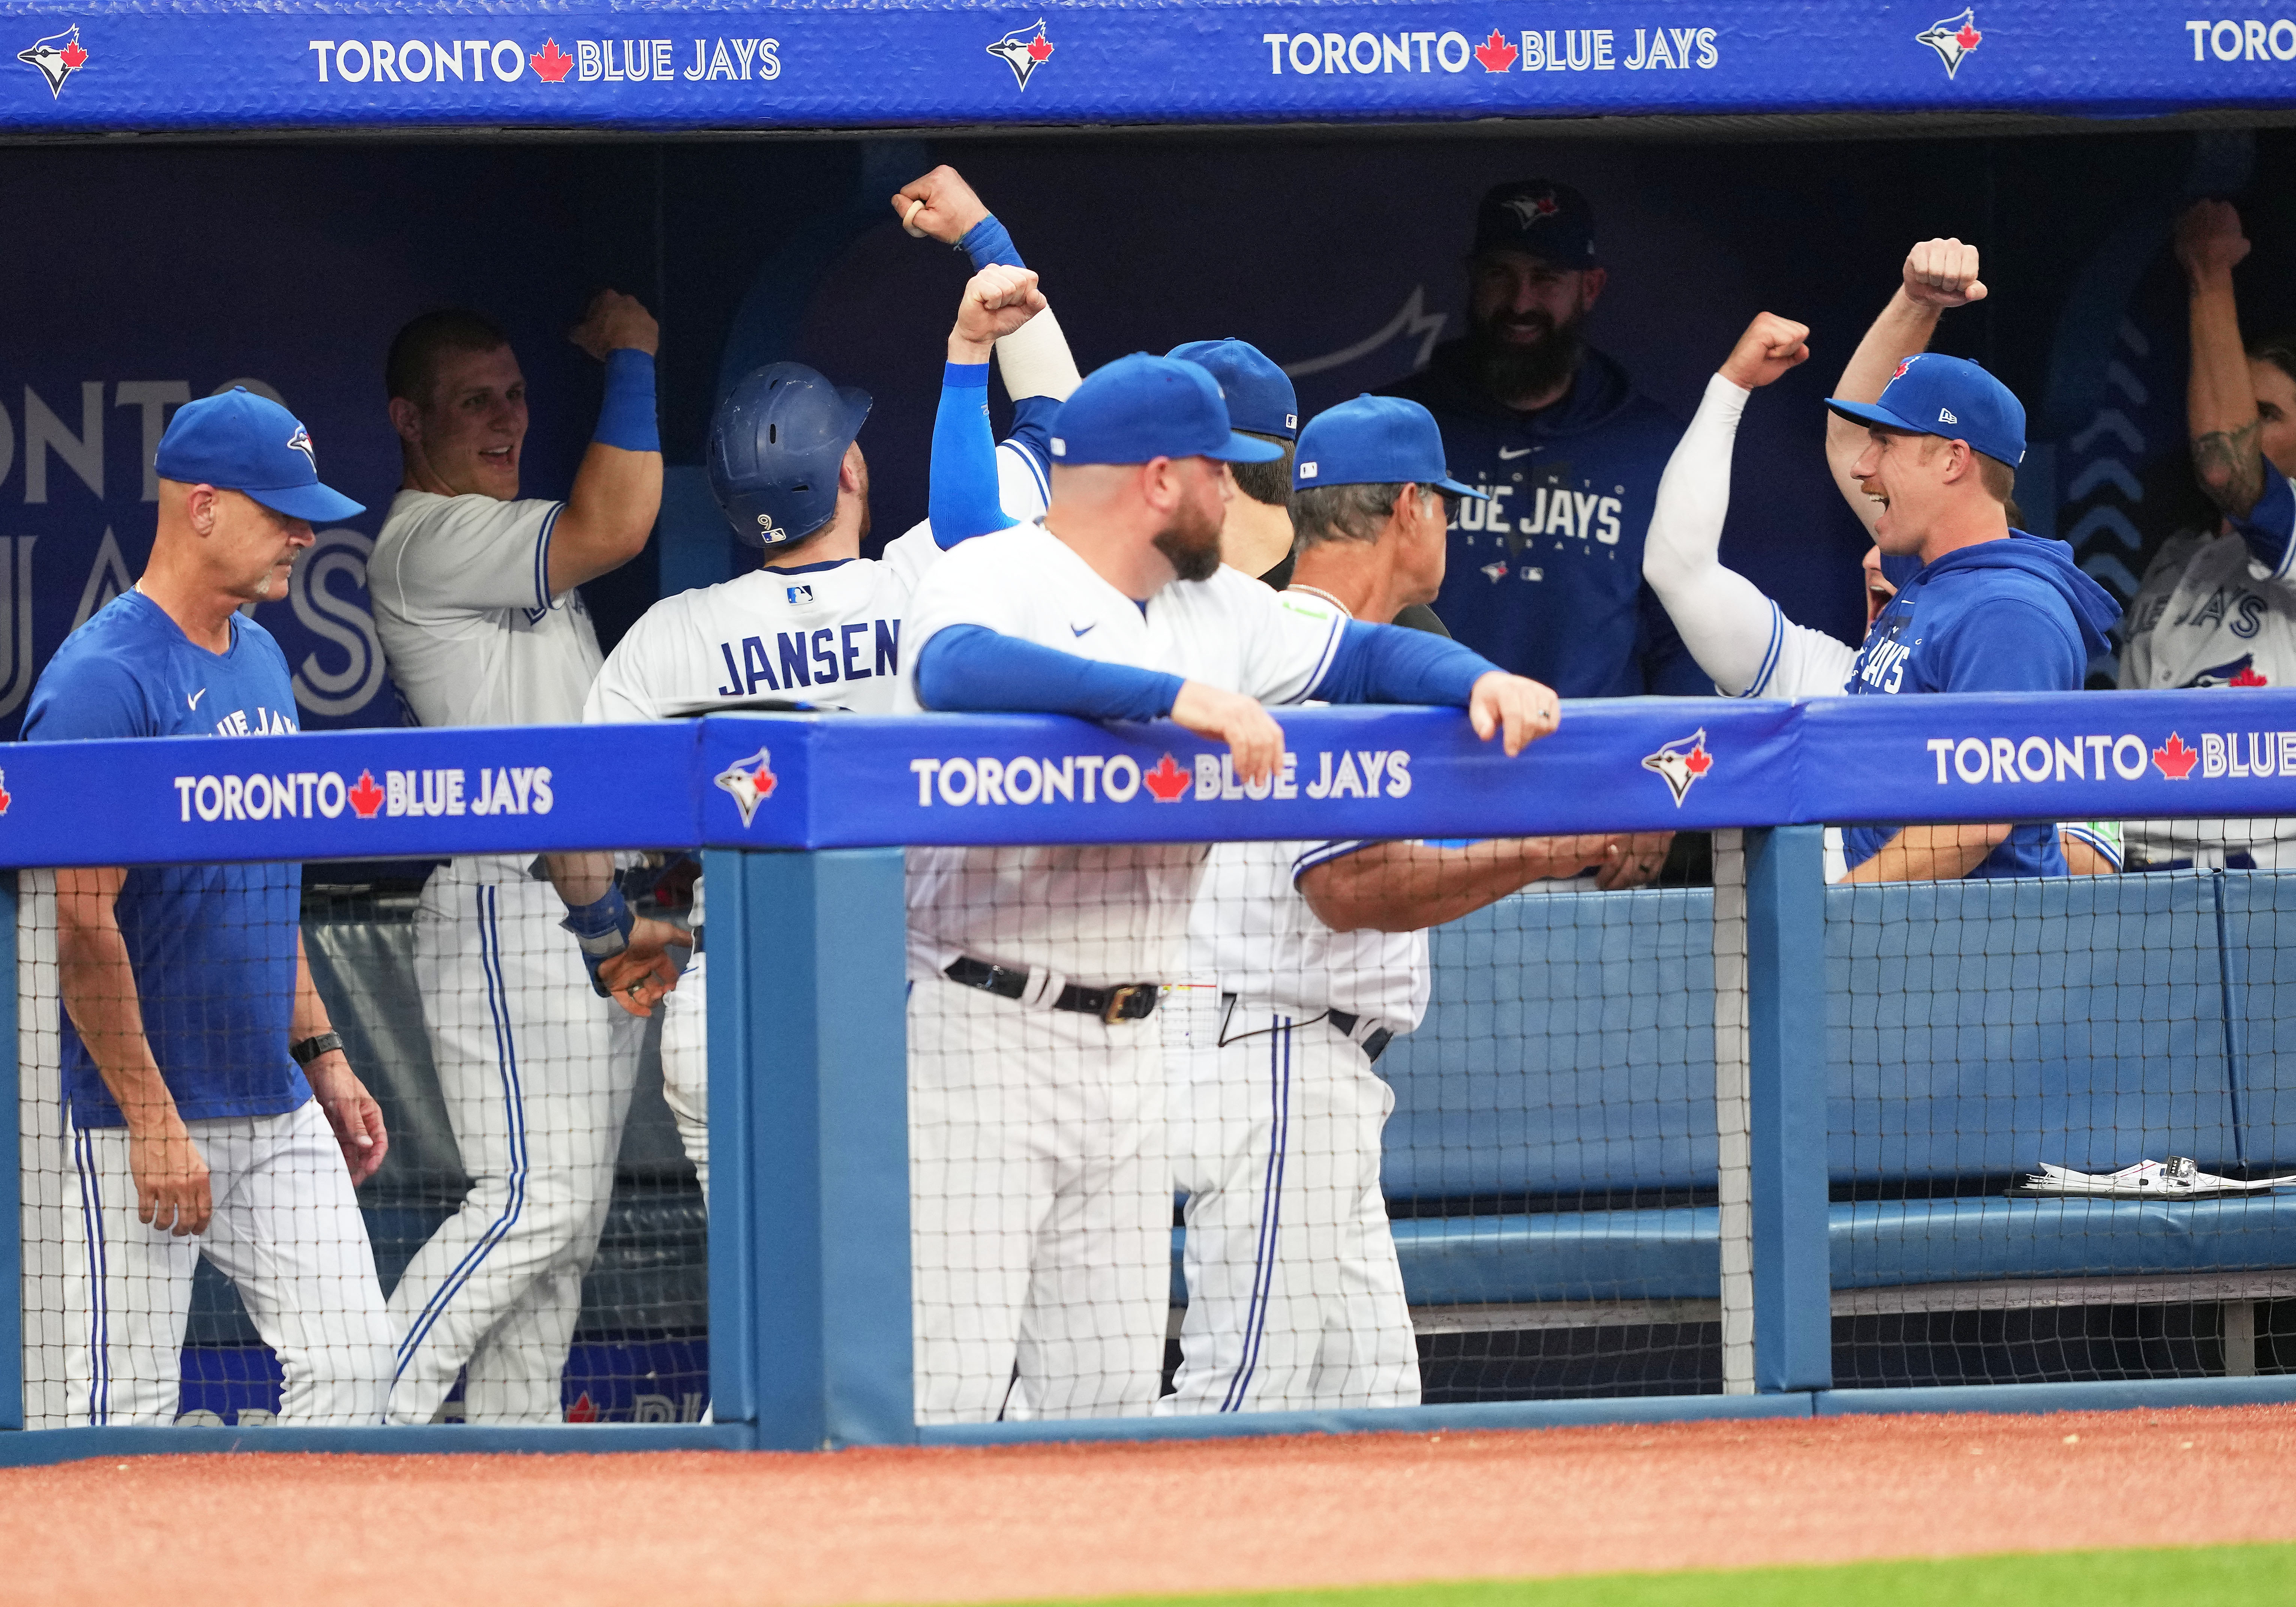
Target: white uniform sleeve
[1023,487]
[908,555]
[1288,638]
[472,553]
[620,695]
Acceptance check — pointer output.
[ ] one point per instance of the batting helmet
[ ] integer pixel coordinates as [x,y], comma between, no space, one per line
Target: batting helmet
[774,449]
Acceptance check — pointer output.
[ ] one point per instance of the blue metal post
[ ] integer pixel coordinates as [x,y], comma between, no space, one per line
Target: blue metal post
[1785,1007]
[12,1172]
[813,988]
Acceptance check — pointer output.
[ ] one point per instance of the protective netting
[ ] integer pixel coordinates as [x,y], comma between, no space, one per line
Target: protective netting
[532,1247]
[1344,1160]
[1980,1031]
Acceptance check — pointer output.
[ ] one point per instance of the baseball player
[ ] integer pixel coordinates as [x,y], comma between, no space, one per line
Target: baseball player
[475,601]
[2218,609]
[1741,638]
[1319,949]
[1041,1184]
[791,481]
[212,1111]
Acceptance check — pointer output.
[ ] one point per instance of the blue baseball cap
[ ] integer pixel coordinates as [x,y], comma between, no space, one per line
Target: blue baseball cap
[242,442]
[1536,215]
[1259,394]
[1374,440]
[1139,407]
[1953,398]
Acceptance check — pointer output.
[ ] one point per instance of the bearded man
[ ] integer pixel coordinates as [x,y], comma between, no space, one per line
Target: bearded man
[1544,579]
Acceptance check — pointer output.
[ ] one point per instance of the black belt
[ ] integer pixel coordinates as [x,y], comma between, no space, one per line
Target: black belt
[1127,1002]
[1372,1047]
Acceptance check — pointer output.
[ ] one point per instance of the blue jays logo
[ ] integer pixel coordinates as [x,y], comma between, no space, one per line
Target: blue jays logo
[1495,572]
[56,58]
[1023,50]
[300,441]
[1529,209]
[2234,672]
[1680,763]
[1952,38]
[748,782]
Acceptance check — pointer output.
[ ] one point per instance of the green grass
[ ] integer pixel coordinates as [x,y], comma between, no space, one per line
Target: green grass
[2231,1575]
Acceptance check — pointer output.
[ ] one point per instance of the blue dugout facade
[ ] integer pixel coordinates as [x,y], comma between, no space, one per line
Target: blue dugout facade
[801,819]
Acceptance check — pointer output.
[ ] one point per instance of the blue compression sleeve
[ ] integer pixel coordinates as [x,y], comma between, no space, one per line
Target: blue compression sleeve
[626,418]
[971,669]
[2269,528]
[1387,664]
[988,241]
[962,499]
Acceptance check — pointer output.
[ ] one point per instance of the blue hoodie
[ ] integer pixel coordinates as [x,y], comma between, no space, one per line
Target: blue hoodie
[2001,615]
[1547,579]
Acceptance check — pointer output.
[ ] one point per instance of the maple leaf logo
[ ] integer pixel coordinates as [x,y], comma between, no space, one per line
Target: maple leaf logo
[551,65]
[1680,763]
[748,782]
[1167,781]
[583,1410]
[75,58]
[365,796]
[5,796]
[2175,759]
[2247,676]
[1023,50]
[1495,53]
[1898,372]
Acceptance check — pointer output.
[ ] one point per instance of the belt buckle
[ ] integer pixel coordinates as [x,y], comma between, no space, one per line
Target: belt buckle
[1118,997]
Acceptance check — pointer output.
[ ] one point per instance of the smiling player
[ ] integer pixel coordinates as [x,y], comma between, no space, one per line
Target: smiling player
[475,601]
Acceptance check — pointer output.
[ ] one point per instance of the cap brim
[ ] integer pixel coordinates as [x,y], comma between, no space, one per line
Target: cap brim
[1452,487]
[312,504]
[1868,412]
[1243,449]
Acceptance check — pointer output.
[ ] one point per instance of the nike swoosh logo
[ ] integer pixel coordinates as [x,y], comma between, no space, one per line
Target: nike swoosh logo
[1506,456]
[194,699]
[1084,630]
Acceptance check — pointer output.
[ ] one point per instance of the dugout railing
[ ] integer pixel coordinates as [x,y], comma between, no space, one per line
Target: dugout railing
[1879,1064]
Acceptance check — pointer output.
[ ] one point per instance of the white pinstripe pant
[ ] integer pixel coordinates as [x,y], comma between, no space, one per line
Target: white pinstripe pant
[1295,1297]
[536,1072]
[286,1230]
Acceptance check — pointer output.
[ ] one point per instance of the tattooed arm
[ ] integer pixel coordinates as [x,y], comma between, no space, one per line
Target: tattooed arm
[2220,402]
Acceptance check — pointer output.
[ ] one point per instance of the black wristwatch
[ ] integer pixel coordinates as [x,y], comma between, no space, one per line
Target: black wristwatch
[311,1048]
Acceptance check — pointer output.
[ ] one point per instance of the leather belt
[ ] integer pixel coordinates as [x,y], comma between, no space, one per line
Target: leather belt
[1374,1045]
[1126,1002]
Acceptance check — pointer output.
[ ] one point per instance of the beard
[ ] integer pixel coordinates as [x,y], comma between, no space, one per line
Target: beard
[1191,543]
[1509,369]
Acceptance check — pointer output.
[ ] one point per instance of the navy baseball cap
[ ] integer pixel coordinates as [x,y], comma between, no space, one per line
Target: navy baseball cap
[1374,440]
[1949,397]
[242,442]
[1139,407]
[1259,394]
[1550,221]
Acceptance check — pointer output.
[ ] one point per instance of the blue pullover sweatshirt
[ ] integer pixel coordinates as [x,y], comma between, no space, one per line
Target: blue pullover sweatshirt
[2001,615]
[1547,580]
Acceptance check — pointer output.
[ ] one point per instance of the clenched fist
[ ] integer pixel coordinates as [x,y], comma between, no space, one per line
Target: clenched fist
[615,323]
[1770,346]
[997,300]
[2208,239]
[1943,273]
[940,204]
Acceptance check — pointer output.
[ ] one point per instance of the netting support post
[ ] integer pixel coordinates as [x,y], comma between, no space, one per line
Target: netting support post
[12,1175]
[1786,1044]
[809,1163]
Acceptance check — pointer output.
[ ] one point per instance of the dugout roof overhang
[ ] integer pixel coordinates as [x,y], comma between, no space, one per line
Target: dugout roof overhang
[217,68]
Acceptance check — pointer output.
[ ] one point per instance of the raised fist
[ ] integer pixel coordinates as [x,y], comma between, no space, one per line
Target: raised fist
[2208,239]
[1770,346]
[997,300]
[1943,273]
[949,211]
[616,322]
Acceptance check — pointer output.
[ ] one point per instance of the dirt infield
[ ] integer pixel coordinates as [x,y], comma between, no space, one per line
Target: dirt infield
[955,1526]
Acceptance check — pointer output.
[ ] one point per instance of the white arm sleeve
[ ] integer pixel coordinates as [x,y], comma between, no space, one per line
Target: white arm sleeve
[1727,624]
[1034,360]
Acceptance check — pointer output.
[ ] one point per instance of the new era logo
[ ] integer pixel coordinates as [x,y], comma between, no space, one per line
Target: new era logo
[1944,416]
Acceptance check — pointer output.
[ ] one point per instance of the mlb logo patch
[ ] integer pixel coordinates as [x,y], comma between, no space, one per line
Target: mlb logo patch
[800,593]
[1306,470]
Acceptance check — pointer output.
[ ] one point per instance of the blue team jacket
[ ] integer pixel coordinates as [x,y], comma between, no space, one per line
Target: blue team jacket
[1547,579]
[2001,615]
